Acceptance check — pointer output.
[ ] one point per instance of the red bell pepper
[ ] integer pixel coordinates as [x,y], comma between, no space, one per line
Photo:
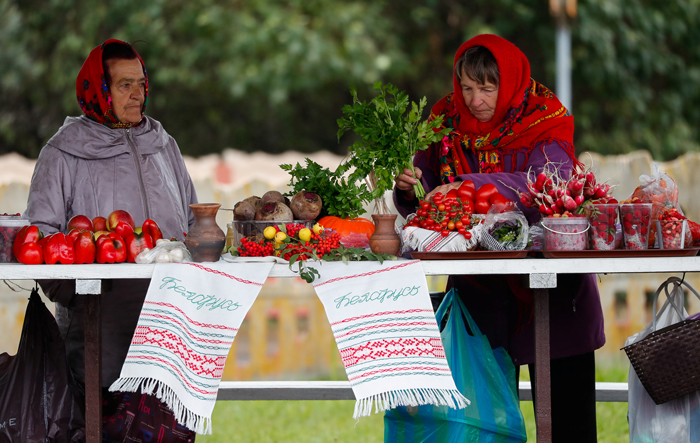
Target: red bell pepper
[27,234]
[111,248]
[30,253]
[151,228]
[137,243]
[123,229]
[58,250]
[72,235]
[85,248]
[42,241]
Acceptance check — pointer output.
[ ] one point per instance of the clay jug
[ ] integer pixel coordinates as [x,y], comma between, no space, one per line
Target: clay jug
[205,241]
[385,240]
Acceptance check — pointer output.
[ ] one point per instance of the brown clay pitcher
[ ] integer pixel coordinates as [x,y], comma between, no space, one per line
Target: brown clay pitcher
[205,241]
[385,240]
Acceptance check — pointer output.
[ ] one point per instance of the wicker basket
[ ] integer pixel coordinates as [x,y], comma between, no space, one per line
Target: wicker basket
[667,361]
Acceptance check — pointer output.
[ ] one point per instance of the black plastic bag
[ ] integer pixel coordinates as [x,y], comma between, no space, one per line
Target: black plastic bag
[38,400]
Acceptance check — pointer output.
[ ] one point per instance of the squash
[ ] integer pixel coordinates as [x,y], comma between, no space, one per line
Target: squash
[347,226]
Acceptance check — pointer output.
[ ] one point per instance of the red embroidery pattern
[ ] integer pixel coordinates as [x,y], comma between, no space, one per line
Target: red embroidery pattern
[197,362]
[386,325]
[232,277]
[367,273]
[404,368]
[409,311]
[196,323]
[184,327]
[174,368]
[401,347]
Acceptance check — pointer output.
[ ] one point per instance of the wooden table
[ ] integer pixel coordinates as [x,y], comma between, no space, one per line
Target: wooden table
[541,275]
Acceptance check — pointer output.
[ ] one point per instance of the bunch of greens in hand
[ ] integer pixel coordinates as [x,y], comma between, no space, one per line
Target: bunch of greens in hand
[341,197]
[389,137]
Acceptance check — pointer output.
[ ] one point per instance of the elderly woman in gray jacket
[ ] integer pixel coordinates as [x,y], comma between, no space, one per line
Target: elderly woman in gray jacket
[113,157]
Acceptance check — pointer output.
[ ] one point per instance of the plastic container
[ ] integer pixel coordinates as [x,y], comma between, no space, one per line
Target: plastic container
[255,228]
[673,233]
[565,233]
[603,220]
[9,227]
[635,219]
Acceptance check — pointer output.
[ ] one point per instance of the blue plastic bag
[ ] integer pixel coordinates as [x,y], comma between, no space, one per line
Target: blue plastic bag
[485,376]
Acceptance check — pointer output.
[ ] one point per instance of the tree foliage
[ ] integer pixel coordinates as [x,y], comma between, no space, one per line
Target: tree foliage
[273,75]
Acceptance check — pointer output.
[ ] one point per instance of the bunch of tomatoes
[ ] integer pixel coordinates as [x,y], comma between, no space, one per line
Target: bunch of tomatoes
[454,211]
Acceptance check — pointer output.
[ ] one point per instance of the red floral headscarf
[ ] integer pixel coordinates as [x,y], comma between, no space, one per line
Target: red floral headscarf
[93,92]
[526,114]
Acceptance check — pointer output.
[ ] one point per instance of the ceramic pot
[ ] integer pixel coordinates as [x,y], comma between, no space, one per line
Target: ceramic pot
[205,241]
[385,240]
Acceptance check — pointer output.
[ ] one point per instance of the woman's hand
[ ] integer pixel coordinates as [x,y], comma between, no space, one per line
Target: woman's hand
[443,189]
[405,181]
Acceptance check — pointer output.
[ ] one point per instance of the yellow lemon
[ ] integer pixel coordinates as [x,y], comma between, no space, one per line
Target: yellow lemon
[318,229]
[280,236]
[270,232]
[305,234]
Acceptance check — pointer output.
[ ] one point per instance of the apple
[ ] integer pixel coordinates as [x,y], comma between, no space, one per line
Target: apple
[119,216]
[81,223]
[100,233]
[99,224]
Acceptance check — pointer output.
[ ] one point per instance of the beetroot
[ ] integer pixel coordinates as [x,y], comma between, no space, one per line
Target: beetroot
[274,211]
[244,210]
[306,205]
[272,196]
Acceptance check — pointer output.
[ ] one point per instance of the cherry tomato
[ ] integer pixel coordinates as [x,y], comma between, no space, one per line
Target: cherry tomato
[461,230]
[452,214]
[444,223]
[451,225]
[441,207]
[468,206]
[468,235]
[459,224]
[466,219]
[445,232]
[482,206]
[425,205]
[486,191]
[466,192]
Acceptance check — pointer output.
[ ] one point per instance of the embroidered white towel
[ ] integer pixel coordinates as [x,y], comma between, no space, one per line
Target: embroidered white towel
[188,322]
[385,329]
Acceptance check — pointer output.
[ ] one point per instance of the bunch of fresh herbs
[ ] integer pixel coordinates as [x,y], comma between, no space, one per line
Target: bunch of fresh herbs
[389,136]
[505,231]
[341,197]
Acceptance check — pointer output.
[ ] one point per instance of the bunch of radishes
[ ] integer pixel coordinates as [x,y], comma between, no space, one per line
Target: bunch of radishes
[553,195]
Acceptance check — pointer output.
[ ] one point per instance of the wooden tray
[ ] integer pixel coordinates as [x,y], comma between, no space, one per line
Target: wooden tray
[688,252]
[467,255]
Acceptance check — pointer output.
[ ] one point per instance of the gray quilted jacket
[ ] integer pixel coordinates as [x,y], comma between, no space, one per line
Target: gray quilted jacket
[90,169]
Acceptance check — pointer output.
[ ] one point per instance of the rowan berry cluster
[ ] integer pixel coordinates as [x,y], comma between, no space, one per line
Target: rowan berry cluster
[288,242]
[250,248]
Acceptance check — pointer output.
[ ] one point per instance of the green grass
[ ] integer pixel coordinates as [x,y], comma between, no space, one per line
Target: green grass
[331,421]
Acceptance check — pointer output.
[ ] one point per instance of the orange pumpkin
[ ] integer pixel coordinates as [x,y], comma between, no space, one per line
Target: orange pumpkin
[347,226]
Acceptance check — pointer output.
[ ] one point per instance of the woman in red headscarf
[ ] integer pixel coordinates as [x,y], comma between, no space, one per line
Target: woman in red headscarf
[113,157]
[504,124]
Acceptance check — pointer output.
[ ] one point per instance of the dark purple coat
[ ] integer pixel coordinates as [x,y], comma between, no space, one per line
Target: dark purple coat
[576,317]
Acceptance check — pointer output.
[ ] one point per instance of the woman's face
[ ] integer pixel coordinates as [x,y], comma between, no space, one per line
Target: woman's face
[479,98]
[127,89]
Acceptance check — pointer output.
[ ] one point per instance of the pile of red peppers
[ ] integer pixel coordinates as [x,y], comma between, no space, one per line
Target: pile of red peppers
[80,247]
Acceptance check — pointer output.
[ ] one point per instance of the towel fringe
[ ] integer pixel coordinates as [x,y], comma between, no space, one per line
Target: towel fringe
[197,423]
[409,397]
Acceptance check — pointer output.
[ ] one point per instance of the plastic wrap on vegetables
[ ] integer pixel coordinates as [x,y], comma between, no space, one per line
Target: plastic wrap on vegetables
[506,231]
[166,251]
